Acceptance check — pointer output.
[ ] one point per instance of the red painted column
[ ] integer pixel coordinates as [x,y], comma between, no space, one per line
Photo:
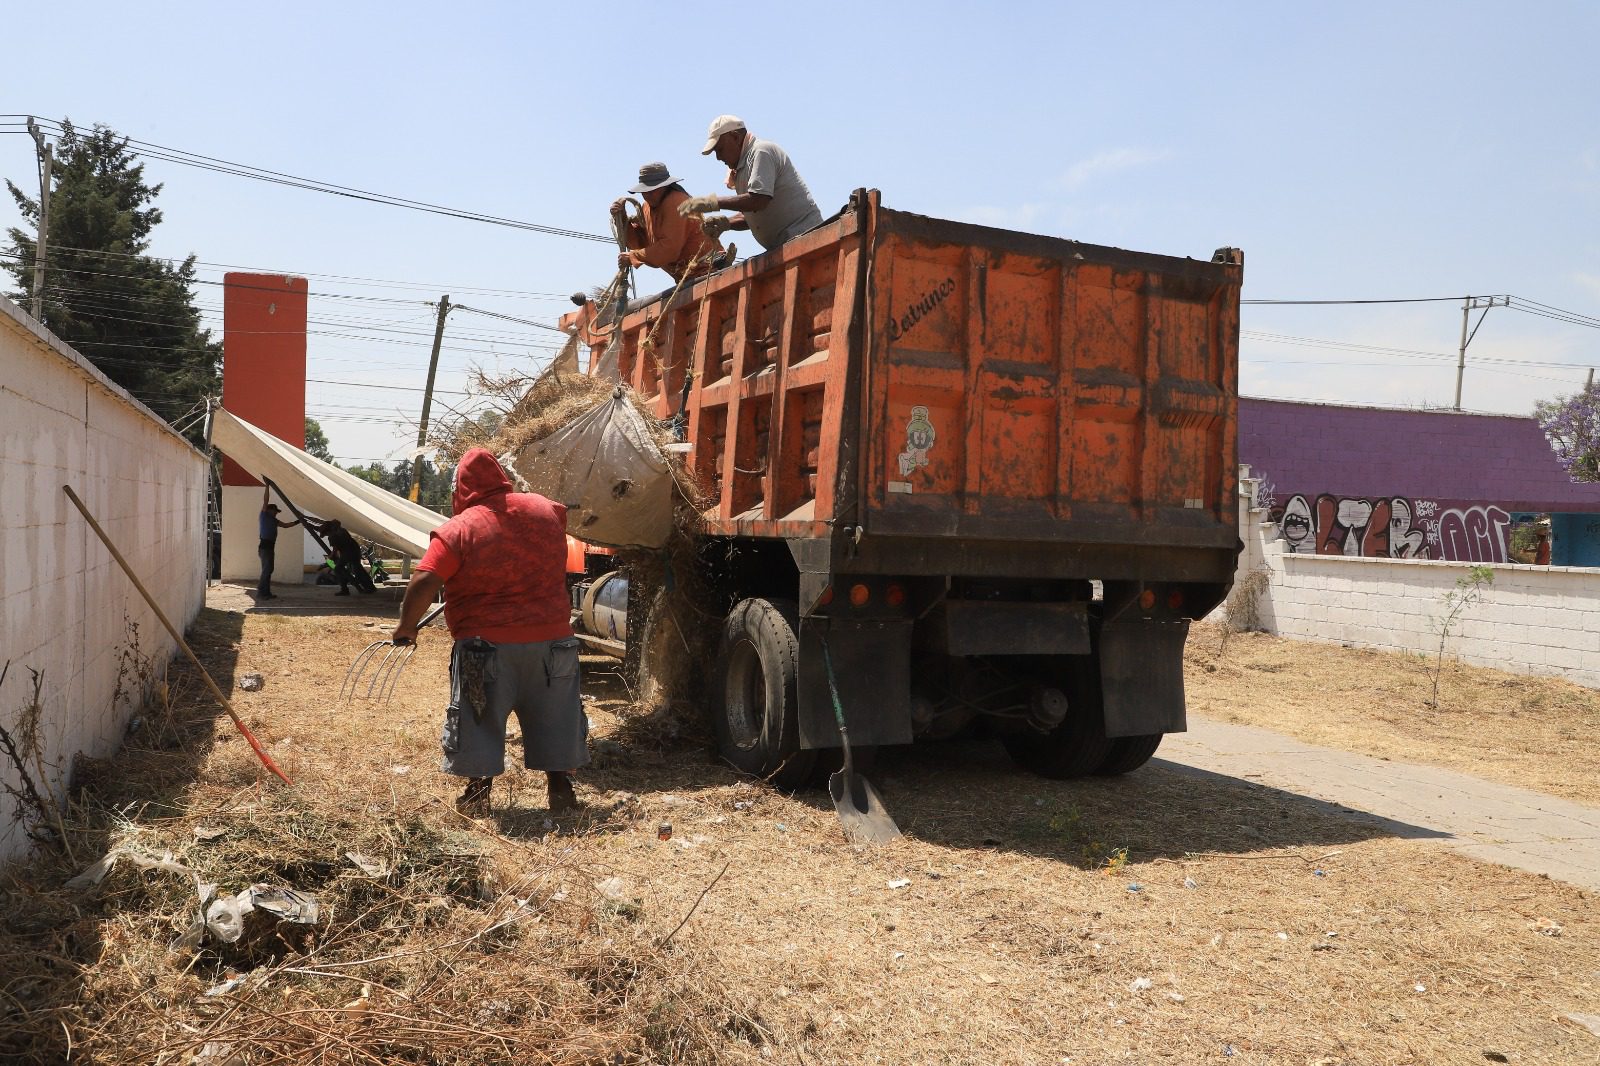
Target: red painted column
[264,358]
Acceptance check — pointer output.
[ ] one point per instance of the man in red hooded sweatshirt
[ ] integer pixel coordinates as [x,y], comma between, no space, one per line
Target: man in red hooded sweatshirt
[501,561]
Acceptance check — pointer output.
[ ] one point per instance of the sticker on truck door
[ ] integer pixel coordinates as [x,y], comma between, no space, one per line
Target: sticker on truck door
[920,436]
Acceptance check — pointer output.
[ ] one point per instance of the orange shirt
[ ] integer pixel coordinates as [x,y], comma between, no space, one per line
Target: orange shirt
[669,240]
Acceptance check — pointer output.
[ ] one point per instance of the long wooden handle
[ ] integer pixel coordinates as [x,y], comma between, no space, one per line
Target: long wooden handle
[255,745]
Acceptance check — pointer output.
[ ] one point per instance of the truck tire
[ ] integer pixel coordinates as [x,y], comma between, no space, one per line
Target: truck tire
[1078,746]
[755,708]
[1128,754]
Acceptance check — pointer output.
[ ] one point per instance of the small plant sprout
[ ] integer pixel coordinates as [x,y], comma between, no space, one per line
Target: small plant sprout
[1469,590]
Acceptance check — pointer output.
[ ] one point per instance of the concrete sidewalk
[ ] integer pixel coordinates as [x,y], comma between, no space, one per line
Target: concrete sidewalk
[1497,823]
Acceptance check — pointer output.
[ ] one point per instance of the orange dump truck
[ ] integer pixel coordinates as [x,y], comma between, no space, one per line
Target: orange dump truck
[994,472]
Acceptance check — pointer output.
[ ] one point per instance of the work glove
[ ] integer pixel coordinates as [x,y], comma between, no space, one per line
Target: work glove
[714,226]
[624,261]
[619,206]
[698,205]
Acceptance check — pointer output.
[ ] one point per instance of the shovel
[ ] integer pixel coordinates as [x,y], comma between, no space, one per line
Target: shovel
[860,809]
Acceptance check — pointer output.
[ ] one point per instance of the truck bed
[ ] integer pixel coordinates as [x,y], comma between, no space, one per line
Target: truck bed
[892,376]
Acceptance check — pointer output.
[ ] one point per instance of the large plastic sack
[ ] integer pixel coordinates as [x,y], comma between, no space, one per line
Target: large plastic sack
[609,471]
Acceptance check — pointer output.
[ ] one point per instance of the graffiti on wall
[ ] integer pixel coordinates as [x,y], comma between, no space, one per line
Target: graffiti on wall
[1474,534]
[1393,527]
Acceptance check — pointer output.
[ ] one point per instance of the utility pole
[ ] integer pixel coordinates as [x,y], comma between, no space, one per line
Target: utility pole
[427,400]
[1468,305]
[45,161]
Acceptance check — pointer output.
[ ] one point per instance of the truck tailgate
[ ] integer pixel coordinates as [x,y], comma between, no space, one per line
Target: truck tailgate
[1031,387]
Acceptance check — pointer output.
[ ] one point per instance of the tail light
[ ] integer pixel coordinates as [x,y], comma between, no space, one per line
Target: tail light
[859,595]
[1147,599]
[1175,600]
[894,595]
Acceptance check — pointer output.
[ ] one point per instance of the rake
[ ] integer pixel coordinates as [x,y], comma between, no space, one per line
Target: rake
[386,661]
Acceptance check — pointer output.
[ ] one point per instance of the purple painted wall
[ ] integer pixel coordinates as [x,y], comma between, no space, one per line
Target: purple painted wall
[1417,484]
[1438,454]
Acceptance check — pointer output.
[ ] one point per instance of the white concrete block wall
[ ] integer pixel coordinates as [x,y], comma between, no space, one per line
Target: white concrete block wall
[64,602]
[1531,619]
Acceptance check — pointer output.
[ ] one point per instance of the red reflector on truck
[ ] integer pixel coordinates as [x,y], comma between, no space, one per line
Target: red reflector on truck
[859,595]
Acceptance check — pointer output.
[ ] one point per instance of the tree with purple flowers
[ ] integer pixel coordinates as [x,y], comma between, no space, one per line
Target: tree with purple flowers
[1572,426]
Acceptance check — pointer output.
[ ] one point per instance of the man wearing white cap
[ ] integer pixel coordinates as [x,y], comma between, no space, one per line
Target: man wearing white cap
[773,201]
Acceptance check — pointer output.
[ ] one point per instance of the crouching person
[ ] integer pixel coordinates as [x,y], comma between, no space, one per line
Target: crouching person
[501,561]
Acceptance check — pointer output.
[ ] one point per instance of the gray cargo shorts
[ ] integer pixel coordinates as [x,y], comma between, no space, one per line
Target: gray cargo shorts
[537,681]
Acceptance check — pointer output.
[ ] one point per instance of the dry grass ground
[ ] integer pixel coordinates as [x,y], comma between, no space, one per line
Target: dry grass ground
[1167,916]
[1540,733]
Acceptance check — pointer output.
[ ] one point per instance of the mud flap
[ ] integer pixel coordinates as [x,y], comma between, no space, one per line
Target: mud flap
[1141,675]
[872,665]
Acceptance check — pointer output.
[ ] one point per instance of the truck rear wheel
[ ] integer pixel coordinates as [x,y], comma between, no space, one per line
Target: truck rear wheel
[1129,753]
[1077,746]
[755,706]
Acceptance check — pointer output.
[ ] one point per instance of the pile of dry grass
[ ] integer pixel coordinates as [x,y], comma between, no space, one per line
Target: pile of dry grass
[435,944]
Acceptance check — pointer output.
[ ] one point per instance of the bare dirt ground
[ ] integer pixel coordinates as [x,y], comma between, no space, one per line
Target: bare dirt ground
[1167,916]
[1540,733]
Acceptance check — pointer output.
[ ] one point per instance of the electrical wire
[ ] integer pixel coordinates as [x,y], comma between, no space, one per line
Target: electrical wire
[1309,303]
[150,150]
[508,318]
[430,286]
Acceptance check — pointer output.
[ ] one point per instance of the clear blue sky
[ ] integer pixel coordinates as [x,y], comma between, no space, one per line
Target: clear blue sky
[1357,150]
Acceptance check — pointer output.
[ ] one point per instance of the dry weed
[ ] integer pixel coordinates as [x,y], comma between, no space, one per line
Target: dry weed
[1236,922]
[1541,733]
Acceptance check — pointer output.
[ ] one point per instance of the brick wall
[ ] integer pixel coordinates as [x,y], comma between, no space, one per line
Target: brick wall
[64,603]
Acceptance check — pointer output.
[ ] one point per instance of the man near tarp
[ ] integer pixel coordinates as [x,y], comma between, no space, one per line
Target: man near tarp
[501,562]
[270,523]
[347,568]
[774,202]
[664,238]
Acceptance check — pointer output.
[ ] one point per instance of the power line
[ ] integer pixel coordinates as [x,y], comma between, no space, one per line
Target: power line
[389,324]
[373,385]
[1547,307]
[151,150]
[482,335]
[1309,303]
[509,318]
[476,290]
[1318,342]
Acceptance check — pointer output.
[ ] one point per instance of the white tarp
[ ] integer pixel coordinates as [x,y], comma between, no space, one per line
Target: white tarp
[323,489]
[609,471]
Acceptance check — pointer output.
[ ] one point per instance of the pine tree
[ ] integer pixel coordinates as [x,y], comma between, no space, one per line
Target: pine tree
[131,315]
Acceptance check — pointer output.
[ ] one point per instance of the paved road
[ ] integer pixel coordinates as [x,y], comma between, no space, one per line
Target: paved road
[1497,823]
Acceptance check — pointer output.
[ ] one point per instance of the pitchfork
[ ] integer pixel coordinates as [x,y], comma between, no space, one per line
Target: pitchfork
[386,673]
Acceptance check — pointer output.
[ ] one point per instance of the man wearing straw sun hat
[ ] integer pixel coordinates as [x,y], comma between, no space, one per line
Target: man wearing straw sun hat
[664,238]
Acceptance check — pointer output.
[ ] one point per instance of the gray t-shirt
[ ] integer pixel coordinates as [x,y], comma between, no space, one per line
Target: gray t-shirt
[765,168]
